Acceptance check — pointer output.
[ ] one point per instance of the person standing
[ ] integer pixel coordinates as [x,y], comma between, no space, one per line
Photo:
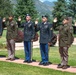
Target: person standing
[46,33]
[65,41]
[10,36]
[29,33]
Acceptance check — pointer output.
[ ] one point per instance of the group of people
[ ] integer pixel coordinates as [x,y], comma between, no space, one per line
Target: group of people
[46,34]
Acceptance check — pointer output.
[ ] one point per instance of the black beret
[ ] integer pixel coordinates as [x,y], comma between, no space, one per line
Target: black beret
[28,15]
[44,16]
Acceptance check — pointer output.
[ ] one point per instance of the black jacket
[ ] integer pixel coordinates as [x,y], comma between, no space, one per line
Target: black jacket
[46,32]
[29,30]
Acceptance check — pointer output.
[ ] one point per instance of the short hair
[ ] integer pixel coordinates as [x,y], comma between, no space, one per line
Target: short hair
[11,15]
[67,18]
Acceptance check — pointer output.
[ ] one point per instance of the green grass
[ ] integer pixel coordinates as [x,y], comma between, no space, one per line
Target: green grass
[74,35]
[3,38]
[19,69]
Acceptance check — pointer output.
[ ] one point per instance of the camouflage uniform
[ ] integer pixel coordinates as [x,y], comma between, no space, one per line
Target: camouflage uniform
[11,35]
[65,34]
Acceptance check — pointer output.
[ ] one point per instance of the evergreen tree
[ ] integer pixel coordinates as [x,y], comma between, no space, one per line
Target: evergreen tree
[24,7]
[72,9]
[5,8]
[59,11]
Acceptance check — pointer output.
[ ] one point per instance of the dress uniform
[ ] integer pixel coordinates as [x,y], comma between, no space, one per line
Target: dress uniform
[29,33]
[65,34]
[46,33]
[10,36]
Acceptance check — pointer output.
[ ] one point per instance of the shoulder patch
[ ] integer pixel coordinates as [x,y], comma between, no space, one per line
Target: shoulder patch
[16,23]
[71,27]
[12,24]
[16,26]
[48,22]
[51,28]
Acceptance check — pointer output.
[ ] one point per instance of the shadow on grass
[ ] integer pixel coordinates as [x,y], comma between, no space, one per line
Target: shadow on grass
[17,58]
[1,56]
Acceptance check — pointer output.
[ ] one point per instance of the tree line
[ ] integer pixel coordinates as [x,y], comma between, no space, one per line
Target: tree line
[63,8]
[22,7]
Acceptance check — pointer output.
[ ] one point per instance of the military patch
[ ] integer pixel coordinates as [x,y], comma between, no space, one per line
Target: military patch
[16,23]
[51,28]
[71,27]
[71,31]
[46,26]
[16,26]
[24,24]
[12,24]
[65,29]
[29,25]
[45,22]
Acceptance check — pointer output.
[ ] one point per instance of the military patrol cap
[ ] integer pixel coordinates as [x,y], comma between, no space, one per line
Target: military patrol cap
[28,15]
[45,16]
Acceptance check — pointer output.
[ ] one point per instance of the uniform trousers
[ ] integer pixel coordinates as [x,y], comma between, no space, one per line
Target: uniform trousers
[28,50]
[64,55]
[11,48]
[44,52]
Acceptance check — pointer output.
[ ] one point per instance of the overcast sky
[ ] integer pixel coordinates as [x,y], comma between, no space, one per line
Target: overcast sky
[48,0]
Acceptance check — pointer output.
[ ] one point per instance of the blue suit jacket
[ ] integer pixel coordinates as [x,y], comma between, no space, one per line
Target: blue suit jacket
[46,32]
[29,31]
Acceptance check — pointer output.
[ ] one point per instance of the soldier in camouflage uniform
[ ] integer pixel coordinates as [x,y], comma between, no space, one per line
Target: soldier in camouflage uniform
[11,35]
[65,41]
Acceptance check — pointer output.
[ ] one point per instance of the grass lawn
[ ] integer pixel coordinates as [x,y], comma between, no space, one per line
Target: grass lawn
[19,69]
[3,38]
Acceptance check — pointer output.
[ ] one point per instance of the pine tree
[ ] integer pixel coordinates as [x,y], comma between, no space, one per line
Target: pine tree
[72,9]
[5,8]
[24,7]
[60,9]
